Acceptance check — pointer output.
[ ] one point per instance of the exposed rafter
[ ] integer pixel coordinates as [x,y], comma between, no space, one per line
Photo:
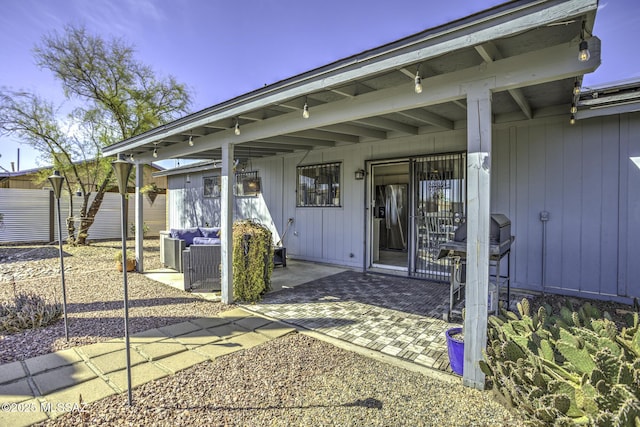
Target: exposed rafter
[428,118]
[489,53]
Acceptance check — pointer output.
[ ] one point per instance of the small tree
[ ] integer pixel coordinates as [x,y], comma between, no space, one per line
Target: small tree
[117,97]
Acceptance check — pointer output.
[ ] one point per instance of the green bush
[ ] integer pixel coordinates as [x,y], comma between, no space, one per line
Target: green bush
[27,311]
[252,260]
[568,367]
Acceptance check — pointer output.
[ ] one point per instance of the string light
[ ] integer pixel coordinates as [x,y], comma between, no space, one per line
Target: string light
[190,140]
[576,88]
[418,82]
[305,110]
[237,128]
[572,120]
[584,54]
[155,151]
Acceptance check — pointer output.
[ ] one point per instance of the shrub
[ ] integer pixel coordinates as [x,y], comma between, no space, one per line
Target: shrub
[565,368]
[252,260]
[27,311]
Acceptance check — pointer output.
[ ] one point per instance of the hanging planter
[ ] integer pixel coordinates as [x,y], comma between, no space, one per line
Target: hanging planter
[151,190]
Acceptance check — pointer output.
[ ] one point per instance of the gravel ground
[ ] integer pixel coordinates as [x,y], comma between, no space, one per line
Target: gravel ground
[94,296]
[294,380]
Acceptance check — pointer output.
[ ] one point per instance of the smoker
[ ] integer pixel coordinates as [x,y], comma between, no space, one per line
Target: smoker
[500,241]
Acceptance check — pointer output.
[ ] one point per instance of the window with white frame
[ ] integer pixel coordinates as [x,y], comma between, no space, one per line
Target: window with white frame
[318,185]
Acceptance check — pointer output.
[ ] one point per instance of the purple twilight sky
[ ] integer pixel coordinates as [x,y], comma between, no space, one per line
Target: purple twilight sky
[222,49]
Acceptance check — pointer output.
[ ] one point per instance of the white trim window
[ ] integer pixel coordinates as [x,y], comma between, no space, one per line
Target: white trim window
[318,185]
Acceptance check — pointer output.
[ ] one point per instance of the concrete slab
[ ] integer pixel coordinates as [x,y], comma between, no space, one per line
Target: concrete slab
[146,337]
[197,338]
[217,349]
[248,340]
[179,329]
[140,374]
[235,313]
[160,349]
[52,360]
[116,361]
[11,371]
[68,399]
[25,414]
[65,376]
[226,331]
[252,323]
[211,322]
[17,391]
[181,361]
[276,330]
[100,348]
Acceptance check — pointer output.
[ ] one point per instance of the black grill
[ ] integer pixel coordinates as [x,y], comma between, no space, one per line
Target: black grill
[500,239]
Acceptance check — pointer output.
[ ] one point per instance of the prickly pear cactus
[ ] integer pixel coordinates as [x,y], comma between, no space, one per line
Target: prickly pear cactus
[565,368]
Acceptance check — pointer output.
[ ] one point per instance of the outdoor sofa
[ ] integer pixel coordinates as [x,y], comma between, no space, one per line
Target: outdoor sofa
[173,243]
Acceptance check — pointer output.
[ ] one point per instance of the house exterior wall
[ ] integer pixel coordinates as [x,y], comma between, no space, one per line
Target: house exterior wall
[581,175]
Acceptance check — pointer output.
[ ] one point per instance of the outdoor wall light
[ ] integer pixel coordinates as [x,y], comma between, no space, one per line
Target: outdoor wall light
[237,128]
[305,110]
[418,82]
[360,174]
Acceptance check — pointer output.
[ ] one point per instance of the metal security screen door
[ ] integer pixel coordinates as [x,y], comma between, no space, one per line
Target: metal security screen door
[438,189]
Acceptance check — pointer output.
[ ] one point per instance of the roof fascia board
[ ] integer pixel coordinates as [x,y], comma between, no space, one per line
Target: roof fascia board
[504,24]
[552,63]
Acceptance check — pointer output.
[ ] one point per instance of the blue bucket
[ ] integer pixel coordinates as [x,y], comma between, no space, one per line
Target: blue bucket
[456,351]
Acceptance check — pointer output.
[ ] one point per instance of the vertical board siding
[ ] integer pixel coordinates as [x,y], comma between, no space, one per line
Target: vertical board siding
[631,196]
[574,173]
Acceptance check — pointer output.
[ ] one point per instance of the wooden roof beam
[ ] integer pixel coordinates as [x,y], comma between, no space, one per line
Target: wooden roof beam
[489,52]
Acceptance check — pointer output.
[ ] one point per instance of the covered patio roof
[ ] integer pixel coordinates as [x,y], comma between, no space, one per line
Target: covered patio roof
[529,49]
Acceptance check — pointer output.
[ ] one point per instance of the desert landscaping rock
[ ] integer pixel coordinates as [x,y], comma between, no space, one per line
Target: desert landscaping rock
[285,379]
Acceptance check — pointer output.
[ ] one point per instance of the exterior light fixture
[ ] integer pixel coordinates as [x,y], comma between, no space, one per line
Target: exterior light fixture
[574,108]
[305,110]
[56,182]
[576,88]
[360,174]
[155,151]
[418,82]
[131,157]
[237,128]
[122,170]
[190,140]
[583,54]
[572,120]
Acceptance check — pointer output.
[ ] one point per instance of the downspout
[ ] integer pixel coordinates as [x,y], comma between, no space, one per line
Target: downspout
[544,217]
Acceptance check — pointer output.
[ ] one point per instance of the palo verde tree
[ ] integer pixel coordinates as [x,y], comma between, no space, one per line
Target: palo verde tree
[114,96]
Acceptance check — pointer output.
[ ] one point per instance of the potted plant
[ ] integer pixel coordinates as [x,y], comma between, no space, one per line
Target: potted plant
[131,260]
[455,347]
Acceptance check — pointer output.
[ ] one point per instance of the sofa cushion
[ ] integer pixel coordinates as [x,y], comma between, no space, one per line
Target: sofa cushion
[206,241]
[186,234]
[213,232]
